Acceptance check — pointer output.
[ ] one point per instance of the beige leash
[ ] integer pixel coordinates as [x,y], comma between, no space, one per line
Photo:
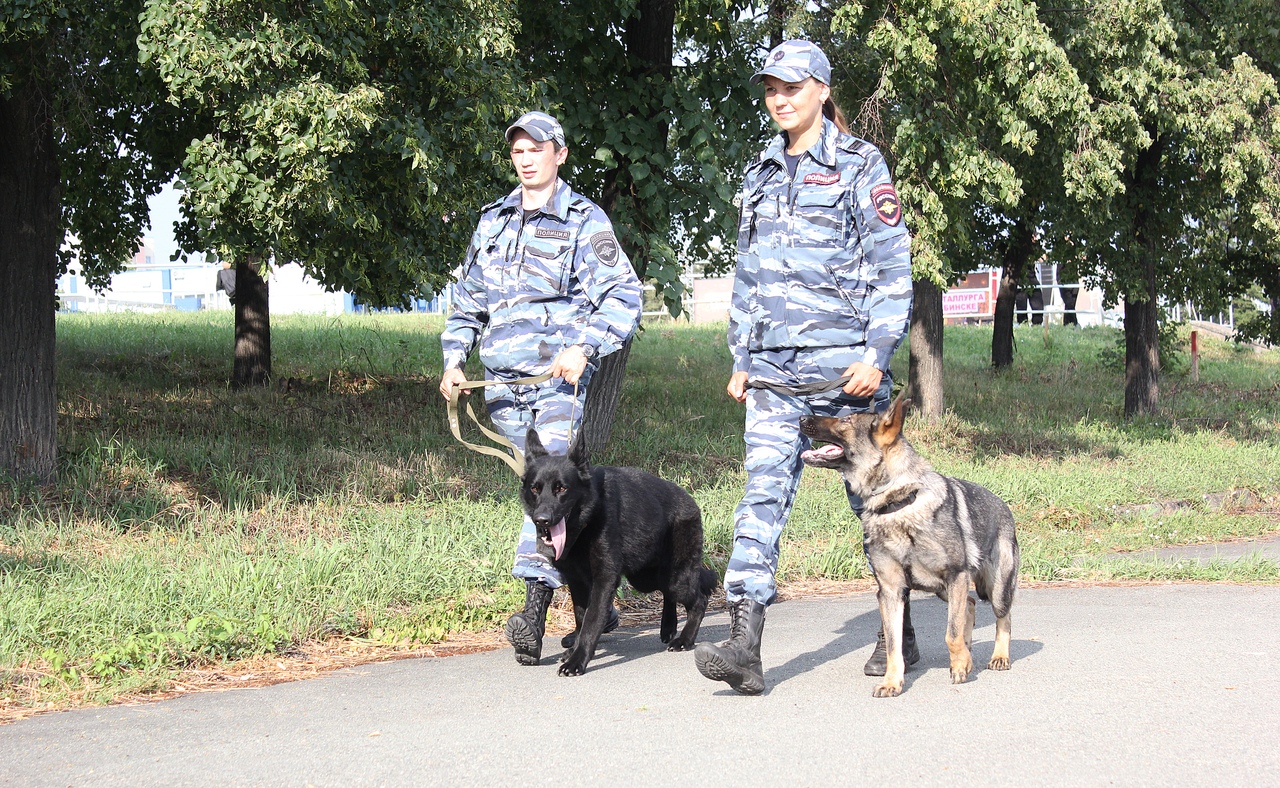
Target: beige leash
[515,459]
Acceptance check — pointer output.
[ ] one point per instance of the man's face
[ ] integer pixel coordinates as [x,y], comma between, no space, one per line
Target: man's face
[536,162]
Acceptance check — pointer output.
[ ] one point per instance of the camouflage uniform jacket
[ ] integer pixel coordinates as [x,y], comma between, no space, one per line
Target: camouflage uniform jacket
[823,257]
[528,289]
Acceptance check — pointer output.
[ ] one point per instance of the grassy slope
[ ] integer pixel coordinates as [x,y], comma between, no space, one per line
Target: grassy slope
[195,524]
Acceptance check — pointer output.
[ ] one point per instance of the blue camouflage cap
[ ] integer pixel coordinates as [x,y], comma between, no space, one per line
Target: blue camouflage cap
[793,61]
[538,125]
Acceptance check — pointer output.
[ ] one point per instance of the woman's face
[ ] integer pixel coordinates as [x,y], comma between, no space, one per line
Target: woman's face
[795,106]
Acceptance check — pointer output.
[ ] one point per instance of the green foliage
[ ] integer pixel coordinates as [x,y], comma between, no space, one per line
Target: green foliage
[976,105]
[660,148]
[356,139]
[116,144]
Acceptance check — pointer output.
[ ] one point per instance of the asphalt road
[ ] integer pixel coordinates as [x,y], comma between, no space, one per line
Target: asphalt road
[1169,685]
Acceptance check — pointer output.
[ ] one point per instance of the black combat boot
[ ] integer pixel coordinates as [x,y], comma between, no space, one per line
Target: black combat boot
[525,628]
[609,625]
[736,660]
[879,662]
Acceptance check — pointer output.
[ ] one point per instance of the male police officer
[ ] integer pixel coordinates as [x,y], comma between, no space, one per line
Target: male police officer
[544,288]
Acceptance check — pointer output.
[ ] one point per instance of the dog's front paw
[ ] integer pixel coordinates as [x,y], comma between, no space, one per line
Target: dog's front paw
[889,689]
[960,671]
[667,635]
[574,664]
[998,663]
[680,645]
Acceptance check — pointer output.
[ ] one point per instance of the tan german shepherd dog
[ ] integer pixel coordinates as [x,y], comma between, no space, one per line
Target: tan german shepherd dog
[924,531]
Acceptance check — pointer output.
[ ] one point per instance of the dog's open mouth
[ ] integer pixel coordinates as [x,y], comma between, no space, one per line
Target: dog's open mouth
[826,453]
[554,537]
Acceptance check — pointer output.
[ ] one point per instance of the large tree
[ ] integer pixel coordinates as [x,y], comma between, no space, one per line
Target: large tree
[960,96]
[357,139]
[1191,89]
[84,140]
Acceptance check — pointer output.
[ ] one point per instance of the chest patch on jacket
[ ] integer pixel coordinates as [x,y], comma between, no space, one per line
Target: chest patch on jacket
[822,178]
[547,232]
[885,200]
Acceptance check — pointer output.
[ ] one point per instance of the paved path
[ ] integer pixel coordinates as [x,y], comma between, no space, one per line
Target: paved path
[1138,685]
[1267,547]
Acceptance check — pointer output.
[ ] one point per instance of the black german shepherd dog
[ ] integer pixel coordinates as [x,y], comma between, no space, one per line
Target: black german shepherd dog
[596,524]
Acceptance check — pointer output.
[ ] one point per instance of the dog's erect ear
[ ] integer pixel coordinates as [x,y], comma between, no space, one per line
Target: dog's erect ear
[533,445]
[889,425]
[579,455]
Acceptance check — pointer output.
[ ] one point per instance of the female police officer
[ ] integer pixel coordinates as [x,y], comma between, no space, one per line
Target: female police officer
[544,288]
[822,291]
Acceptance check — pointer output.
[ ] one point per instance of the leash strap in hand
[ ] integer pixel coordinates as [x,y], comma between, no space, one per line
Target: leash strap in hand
[803,390]
[515,459]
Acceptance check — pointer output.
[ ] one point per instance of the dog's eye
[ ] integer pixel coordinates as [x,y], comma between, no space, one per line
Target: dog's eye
[560,489]
[537,487]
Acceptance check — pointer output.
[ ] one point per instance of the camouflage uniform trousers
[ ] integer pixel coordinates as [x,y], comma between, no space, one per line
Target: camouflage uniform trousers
[551,409]
[773,464]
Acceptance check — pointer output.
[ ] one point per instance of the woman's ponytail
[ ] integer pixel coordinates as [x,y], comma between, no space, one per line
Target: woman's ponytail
[832,113]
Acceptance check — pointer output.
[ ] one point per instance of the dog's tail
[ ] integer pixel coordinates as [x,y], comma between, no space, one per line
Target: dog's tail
[708,580]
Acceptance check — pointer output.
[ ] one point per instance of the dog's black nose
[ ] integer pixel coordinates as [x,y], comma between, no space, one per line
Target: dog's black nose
[542,522]
[806,423]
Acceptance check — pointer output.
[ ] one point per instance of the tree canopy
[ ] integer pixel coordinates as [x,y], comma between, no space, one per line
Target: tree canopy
[357,139]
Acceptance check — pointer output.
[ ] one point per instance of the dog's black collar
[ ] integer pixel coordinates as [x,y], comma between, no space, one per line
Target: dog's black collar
[900,503]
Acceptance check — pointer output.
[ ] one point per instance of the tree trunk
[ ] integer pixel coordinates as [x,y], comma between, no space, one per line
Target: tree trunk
[603,394]
[252,365]
[650,41]
[925,386]
[30,234]
[1142,349]
[1142,309]
[1069,296]
[1016,255]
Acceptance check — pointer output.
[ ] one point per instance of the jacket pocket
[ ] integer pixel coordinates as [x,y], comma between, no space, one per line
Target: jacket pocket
[544,270]
[821,218]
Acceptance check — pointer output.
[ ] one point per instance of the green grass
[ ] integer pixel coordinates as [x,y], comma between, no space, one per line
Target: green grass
[193,524]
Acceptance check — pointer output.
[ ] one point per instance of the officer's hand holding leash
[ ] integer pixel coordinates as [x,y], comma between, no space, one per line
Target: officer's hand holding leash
[569,364]
[864,379]
[451,378]
[737,387]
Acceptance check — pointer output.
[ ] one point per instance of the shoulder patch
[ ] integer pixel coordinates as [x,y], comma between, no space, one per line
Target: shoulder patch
[822,178]
[885,199]
[605,245]
[547,232]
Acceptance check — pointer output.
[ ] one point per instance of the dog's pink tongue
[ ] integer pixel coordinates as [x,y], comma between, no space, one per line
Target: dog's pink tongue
[557,538]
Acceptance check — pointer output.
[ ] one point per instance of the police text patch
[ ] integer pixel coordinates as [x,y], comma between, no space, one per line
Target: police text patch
[885,200]
[547,232]
[822,178]
[606,247]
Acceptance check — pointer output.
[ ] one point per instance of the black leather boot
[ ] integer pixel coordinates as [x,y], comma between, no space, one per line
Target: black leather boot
[525,629]
[736,660]
[879,662]
[611,624]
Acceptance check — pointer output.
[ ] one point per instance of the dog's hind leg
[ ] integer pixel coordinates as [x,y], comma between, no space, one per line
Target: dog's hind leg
[694,597]
[1006,583]
[960,611]
[668,630]
[1000,655]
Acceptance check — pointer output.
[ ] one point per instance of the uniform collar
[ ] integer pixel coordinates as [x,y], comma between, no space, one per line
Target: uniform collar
[823,151]
[557,206]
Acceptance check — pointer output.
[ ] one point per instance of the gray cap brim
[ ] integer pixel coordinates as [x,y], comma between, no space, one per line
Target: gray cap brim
[537,134]
[783,73]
